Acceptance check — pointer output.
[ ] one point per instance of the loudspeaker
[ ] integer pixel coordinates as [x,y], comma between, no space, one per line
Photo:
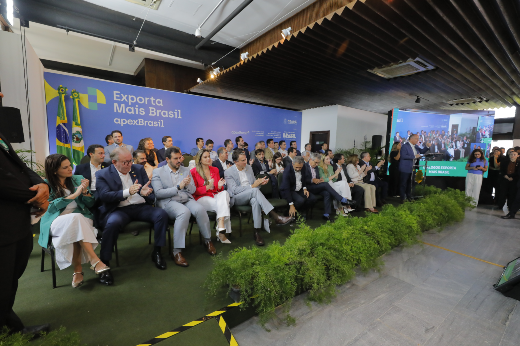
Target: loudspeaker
[376,141]
[509,282]
[11,124]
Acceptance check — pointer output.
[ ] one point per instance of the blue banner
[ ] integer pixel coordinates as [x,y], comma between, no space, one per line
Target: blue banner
[140,112]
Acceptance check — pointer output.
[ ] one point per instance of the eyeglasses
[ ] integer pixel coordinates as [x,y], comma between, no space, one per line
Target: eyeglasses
[126,162]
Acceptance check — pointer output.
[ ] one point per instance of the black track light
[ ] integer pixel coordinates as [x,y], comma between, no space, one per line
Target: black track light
[418,100]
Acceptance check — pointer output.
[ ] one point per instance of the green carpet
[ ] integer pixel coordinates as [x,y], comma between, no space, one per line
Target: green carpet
[144,301]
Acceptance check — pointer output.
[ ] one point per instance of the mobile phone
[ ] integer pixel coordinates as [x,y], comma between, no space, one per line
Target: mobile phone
[477,166]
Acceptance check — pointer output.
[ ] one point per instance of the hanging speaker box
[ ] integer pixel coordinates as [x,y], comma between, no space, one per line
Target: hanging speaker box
[509,282]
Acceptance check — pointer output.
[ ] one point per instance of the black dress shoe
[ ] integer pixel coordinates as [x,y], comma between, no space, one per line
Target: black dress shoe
[134,233]
[349,202]
[106,278]
[37,330]
[508,216]
[328,218]
[258,239]
[158,260]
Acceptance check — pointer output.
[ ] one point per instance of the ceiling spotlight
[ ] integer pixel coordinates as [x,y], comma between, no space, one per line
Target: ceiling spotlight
[198,33]
[244,56]
[286,32]
[418,100]
[212,75]
[199,80]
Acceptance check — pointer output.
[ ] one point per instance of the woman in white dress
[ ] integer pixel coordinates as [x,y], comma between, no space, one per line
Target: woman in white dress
[68,220]
[329,176]
[356,174]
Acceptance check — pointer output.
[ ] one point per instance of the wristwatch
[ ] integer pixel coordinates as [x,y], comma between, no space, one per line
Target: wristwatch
[178,187]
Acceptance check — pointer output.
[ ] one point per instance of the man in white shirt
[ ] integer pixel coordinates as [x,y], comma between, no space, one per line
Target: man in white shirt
[125,195]
[245,189]
[212,154]
[222,162]
[200,144]
[88,170]
[117,136]
[282,148]
[173,186]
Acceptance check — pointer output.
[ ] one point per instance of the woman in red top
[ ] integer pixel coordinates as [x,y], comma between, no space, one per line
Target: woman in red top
[210,192]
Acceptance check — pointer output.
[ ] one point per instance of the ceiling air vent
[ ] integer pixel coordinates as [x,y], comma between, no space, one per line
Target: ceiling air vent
[467,100]
[147,3]
[400,69]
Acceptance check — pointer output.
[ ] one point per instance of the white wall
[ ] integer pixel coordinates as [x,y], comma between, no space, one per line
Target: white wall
[319,119]
[345,124]
[13,83]
[355,124]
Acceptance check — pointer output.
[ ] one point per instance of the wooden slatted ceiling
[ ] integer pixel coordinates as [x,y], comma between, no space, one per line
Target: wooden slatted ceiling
[473,43]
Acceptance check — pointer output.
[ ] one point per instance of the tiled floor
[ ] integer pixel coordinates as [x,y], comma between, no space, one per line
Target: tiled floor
[423,296]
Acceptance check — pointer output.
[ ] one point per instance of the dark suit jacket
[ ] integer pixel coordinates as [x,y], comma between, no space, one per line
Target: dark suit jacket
[366,178]
[15,180]
[287,161]
[308,174]
[161,155]
[298,153]
[289,182]
[245,150]
[335,167]
[407,159]
[221,170]
[84,170]
[109,189]
[257,167]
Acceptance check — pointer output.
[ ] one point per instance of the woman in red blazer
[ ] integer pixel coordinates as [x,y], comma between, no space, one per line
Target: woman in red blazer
[210,192]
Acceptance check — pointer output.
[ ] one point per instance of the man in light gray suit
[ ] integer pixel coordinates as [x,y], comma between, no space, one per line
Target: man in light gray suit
[244,189]
[117,136]
[173,187]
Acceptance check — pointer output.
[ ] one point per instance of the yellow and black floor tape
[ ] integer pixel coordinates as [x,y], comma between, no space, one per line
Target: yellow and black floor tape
[215,314]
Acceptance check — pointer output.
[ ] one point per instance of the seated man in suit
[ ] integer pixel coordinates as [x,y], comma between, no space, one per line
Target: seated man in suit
[269,151]
[109,140]
[262,166]
[161,153]
[222,162]
[200,144]
[291,154]
[125,195]
[139,157]
[294,187]
[212,153]
[316,185]
[324,148]
[173,187]
[89,169]
[242,145]
[117,136]
[244,188]
[295,146]
[358,193]
[228,145]
[373,179]
[282,148]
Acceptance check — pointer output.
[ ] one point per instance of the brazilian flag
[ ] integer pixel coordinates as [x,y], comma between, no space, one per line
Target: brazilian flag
[78,147]
[62,134]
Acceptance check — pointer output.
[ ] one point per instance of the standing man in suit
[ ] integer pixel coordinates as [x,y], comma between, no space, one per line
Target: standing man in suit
[97,162]
[269,151]
[291,154]
[294,187]
[410,152]
[295,146]
[200,144]
[22,189]
[316,185]
[173,186]
[244,188]
[117,136]
[358,193]
[222,162]
[397,138]
[161,153]
[125,195]
[282,148]
[373,179]
[241,145]
[324,148]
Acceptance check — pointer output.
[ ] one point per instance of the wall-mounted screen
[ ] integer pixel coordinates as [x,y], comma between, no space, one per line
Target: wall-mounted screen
[453,136]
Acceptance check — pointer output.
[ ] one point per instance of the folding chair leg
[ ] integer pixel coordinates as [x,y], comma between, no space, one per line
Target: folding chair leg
[240,220]
[150,236]
[43,260]
[170,245]
[117,253]
[53,260]
[249,218]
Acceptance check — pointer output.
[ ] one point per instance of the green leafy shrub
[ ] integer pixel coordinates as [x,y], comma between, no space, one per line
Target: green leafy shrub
[58,337]
[317,260]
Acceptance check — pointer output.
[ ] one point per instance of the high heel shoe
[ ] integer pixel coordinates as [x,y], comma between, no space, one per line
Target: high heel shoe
[227,241]
[76,284]
[93,267]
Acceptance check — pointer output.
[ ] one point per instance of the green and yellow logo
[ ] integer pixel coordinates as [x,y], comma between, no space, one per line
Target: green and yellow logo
[90,100]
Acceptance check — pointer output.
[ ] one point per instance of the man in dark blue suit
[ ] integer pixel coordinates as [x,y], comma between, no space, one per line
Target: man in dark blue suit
[410,152]
[88,170]
[161,153]
[316,185]
[294,145]
[222,162]
[294,187]
[125,195]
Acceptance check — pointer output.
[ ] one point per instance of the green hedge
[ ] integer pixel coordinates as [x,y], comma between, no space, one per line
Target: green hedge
[317,260]
[57,337]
